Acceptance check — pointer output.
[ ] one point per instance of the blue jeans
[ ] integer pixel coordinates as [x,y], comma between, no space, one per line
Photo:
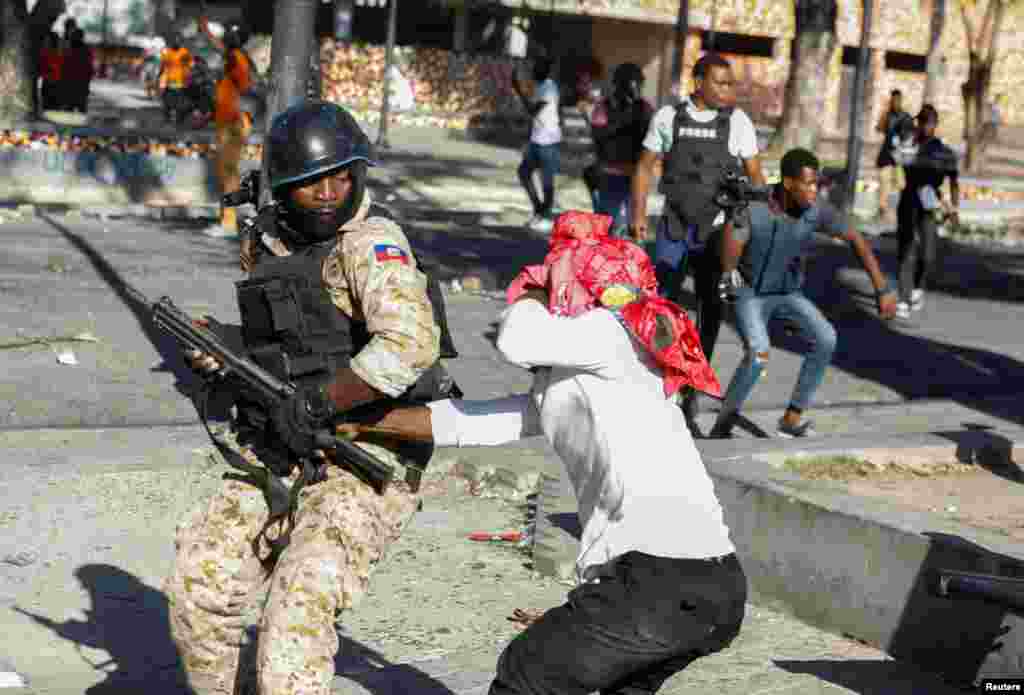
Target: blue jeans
[752,316]
[669,262]
[546,158]
[613,200]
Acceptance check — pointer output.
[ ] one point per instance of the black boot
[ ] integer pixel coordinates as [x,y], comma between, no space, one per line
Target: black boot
[689,408]
[722,428]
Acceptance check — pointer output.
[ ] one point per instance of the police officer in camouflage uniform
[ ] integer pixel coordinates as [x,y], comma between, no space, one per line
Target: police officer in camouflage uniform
[337,305]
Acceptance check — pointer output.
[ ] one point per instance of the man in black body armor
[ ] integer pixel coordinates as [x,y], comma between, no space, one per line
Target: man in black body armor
[701,139]
[618,126]
[337,305]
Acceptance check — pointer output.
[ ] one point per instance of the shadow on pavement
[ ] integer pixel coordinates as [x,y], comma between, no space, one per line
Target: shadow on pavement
[139,306]
[129,621]
[955,636]
[360,664]
[992,451]
[869,677]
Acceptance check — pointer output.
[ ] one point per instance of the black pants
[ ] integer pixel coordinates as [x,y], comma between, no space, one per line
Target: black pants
[648,619]
[706,267]
[917,243]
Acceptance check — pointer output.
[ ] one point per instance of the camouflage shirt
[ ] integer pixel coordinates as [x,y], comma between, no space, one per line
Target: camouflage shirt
[371,275]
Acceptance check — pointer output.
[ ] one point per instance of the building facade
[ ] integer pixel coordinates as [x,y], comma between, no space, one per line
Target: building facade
[757,36]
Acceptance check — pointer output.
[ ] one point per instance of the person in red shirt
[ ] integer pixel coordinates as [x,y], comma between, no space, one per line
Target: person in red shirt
[77,73]
[233,125]
[51,62]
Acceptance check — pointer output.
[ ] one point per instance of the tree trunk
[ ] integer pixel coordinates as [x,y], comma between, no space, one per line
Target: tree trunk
[807,84]
[981,58]
[679,48]
[933,60]
[165,15]
[20,38]
[291,54]
[16,66]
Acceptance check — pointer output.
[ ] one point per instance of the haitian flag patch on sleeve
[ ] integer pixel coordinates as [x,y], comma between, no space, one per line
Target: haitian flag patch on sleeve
[390,252]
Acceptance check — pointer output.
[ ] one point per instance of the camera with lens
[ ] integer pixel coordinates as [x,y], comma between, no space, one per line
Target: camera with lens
[248,191]
[735,192]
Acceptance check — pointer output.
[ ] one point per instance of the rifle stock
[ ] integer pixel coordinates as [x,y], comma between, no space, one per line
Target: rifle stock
[261,385]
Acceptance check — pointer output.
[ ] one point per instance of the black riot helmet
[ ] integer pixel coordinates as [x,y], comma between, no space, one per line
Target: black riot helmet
[628,81]
[306,142]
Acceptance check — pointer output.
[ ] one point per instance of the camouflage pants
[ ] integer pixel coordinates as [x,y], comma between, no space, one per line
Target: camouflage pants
[342,530]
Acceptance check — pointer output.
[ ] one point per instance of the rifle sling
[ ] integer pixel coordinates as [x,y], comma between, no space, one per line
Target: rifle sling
[282,503]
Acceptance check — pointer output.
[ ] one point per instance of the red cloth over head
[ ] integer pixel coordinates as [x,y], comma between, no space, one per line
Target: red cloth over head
[586,268]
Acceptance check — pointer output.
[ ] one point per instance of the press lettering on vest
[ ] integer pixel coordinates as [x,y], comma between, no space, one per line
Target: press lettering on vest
[703,133]
[388,252]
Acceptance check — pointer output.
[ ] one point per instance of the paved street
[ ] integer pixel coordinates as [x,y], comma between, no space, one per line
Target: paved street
[103,455]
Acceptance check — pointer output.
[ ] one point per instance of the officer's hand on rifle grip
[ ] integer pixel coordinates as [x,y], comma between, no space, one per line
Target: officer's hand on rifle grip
[301,419]
[202,363]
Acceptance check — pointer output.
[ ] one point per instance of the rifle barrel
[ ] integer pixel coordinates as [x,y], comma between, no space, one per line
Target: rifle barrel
[1006,591]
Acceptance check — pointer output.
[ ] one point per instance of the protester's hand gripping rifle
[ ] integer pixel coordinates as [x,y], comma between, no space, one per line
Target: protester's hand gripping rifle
[263,387]
[1005,591]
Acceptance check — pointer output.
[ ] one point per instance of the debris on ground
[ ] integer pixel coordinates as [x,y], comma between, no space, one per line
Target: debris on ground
[505,537]
[84,337]
[846,467]
[22,558]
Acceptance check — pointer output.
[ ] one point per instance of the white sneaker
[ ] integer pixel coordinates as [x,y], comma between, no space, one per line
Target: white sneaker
[903,310]
[217,231]
[916,300]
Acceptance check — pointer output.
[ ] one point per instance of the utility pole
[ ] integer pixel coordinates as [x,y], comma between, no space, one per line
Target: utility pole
[389,60]
[291,55]
[106,37]
[855,144]
[679,52]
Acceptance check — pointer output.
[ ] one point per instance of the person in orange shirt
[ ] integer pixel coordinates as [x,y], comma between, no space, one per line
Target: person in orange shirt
[233,125]
[175,70]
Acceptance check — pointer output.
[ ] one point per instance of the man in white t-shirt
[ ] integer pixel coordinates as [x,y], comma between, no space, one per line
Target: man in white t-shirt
[659,582]
[541,100]
[701,138]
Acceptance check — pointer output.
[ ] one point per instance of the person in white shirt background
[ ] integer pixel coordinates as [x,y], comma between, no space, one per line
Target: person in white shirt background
[541,101]
[659,582]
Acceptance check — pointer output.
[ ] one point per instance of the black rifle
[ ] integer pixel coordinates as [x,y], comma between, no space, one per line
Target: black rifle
[1004,591]
[264,388]
[248,191]
[736,191]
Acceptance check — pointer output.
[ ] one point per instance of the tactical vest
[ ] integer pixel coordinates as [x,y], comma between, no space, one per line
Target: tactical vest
[293,330]
[772,261]
[625,134]
[693,169]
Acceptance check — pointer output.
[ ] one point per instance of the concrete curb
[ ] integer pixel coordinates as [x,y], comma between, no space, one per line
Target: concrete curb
[863,567]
